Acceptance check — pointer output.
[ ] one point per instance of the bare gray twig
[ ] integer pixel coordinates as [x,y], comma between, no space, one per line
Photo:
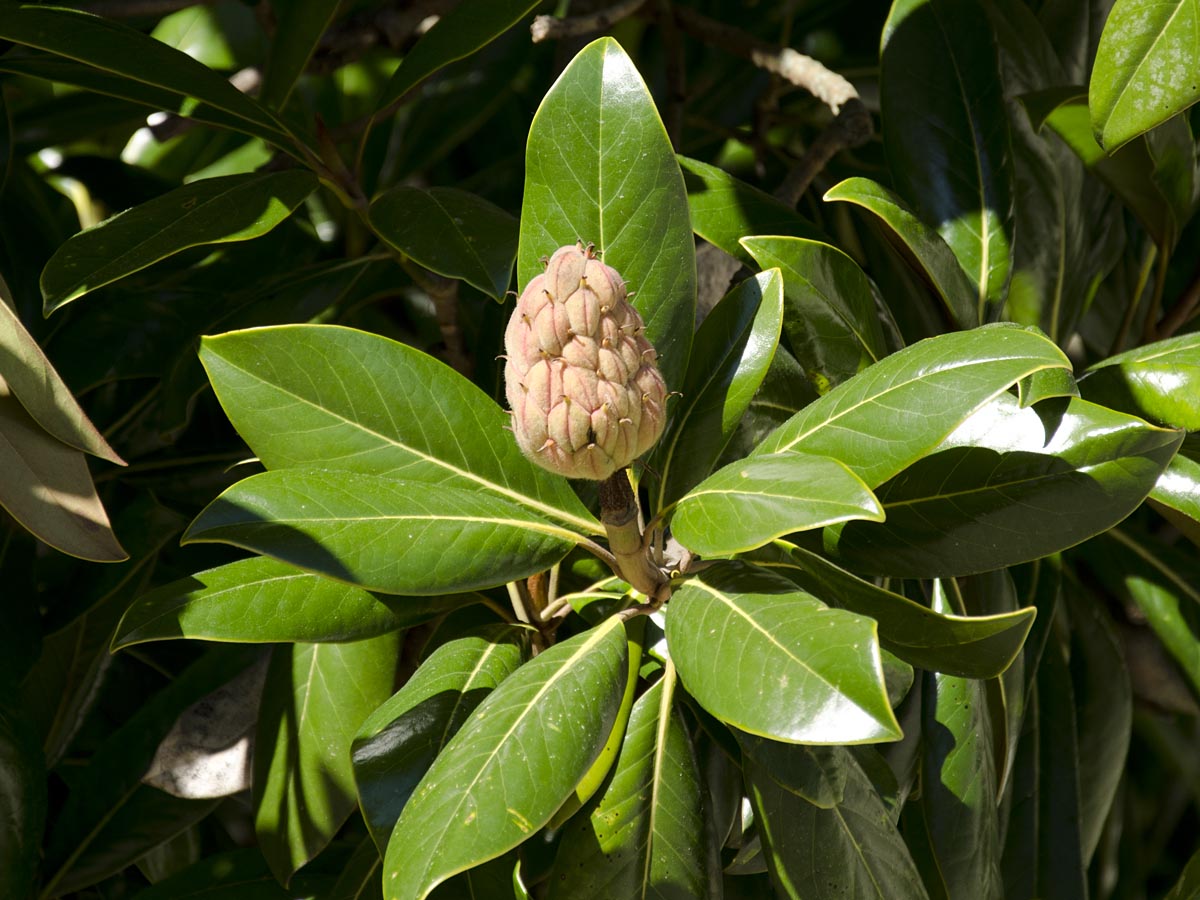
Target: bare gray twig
[546,28]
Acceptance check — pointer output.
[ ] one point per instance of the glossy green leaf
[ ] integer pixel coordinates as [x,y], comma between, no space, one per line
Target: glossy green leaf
[1188,884]
[733,351]
[22,804]
[956,169]
[113,777]
[968,646]
[151,96]
[450,232]
[844,849]
[754,500]
[1154,176]
[1159,382]
[1178,490]
[1104,714]
[959,782]
[232,875]
[1145,69]
[1046,385]
[645,836]
[46,486]
[399,741]
[1009,486]
[1162,583]
[315,699]
[358,402]
[599,167]
[458,33]
[298,28]
[767,658]
[831,321]
[512,764]
[725,209]
[925,251]
[210,211]
[32,380]
[398,537]
[114,48]
[260,600]
[893,413]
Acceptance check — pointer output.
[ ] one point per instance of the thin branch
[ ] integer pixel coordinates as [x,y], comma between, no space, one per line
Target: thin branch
[851,128]
[676,74]
[547,28]
[1183,309]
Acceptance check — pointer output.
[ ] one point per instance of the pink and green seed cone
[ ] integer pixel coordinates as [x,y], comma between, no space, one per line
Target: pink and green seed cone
[582,381]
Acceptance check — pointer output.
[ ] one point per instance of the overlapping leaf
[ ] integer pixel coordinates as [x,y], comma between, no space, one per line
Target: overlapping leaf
[398,742]
[1009,486]
[512,764]
[315,698]
[398,537]
[921,246]
[450,232]
[350,401]
[969,646]
[209,211]
[1145,68]
[261,600]
[1159,382]
[298,29]
[831,321]
[772,660]
[896,411]
[645,836]
[599,168]
[725,209]
[956,169]
[734,348]
[754,500]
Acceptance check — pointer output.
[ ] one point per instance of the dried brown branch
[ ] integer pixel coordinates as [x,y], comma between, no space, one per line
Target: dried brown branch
[547,28]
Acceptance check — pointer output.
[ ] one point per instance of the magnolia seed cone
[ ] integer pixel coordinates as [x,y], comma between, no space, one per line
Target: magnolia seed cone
[583,383]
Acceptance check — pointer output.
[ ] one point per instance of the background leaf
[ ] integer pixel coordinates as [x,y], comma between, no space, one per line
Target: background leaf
[772,660]
[450,232]
[22,804]
[298,28]
[315,698]
[617,186]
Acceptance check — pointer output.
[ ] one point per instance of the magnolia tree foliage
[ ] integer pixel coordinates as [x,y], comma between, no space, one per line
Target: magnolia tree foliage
[836,535]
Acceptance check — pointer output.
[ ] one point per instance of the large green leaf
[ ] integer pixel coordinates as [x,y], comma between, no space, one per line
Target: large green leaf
[398,537]
[939,67]
[450,232]
[1177,494]
[842,847]
[1145,69]
[22,804]
[754,500]
[919,244]
[969,646]
[298,28]
[831,321]
[772,660]
[1009,486]
[261,600]
[1159,382]
[398,742]
[733,351]
[315,699]
[893,413]
[124,52]
[32,380]
[311,395]
[46,486]
[725,209]
[467,27]
[513,763]
[645,836]
[599,167]
[210,211]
